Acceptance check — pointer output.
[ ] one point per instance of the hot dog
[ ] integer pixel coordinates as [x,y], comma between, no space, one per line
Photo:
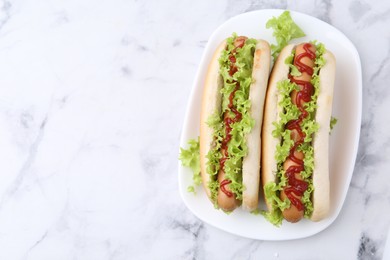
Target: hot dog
[231,122]
[295,174]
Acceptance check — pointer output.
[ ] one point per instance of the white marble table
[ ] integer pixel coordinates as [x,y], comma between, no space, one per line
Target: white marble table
[92,100]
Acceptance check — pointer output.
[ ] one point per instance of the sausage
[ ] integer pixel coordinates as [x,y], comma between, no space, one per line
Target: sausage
[293,214]
[226,199]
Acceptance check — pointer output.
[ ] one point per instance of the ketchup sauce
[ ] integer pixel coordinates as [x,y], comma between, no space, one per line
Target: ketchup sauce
[295,186]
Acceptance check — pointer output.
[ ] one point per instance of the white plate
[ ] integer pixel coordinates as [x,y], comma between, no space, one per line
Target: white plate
[344,139]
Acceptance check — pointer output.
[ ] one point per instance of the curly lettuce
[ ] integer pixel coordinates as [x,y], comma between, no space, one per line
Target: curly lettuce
[191,158]
[284,30]
[333,122]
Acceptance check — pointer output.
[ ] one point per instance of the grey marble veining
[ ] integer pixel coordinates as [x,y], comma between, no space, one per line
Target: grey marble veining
[92,101]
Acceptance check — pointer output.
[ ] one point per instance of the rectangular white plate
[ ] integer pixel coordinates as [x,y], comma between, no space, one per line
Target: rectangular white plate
[343,141]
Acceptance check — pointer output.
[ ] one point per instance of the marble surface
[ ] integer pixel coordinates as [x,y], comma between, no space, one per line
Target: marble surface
[92,101]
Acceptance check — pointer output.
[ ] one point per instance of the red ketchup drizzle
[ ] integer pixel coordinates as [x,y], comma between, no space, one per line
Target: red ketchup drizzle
[239,43]
[298,187]
[224,190]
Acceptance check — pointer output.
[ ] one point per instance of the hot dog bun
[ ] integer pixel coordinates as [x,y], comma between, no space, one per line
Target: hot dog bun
[211,104]
[211,101]
[321,193]
[320,139]
[251,163]
[268,162]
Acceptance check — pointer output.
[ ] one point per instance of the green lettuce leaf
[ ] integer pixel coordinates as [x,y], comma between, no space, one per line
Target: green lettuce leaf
[284,30]
[214,155]
[293,69]
[191,158]
[306,199]
[283,149]
[271,192]
[333,122]
[256,212]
